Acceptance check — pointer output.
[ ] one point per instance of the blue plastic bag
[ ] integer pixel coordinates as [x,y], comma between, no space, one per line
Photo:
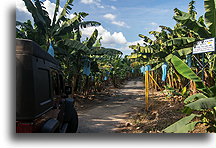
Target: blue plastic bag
[142,69]
[105,78]
[87,68]
[51,50]
[147,68]
[164,71]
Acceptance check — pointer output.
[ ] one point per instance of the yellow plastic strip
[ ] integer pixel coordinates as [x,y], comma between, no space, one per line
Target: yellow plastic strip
[146,89]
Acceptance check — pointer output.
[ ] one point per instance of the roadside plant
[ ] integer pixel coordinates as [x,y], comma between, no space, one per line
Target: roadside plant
[200,107]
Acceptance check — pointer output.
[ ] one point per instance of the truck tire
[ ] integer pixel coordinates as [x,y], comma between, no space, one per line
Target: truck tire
[73,123]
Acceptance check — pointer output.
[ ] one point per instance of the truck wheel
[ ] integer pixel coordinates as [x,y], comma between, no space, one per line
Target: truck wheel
[73,123]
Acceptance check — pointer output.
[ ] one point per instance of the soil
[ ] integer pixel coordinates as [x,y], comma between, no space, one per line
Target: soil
[123,110]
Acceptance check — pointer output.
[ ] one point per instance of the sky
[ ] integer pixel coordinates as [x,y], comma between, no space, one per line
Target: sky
[121,20]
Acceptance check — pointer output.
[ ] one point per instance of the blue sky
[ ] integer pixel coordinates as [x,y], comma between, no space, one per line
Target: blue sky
[122,20]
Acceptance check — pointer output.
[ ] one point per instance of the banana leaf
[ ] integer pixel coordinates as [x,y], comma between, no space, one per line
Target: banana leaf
[56,12]
[65,11]
[186,72]
[105,51]
[146,39]
[157,66]
[210,15]
[38,19]
[187,128]
[194,97]
[74,44]
[205,103]
[167,28]
[182,126]
[92,39]
[193,25]
[180,52]
[42,11]
[180,41]
[134,56]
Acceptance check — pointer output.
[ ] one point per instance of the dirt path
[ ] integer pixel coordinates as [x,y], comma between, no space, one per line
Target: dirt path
[107,116]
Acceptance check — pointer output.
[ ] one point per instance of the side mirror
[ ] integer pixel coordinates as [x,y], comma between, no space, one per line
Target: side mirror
[68,90]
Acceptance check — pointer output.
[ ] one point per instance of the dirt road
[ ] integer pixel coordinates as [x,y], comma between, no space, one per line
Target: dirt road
[107,116]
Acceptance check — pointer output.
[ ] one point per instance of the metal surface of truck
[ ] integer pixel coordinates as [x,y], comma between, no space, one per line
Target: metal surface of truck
[41,95]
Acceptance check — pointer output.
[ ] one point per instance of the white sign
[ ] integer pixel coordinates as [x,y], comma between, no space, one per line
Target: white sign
[207,45]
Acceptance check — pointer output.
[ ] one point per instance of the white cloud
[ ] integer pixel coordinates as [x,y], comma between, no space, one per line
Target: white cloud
[153,24]
[112,17]
[108,39]
[50,7]
[96,2]
[113,7]
[115,40]
[120,23]
[87,1]
[20,5]
[109,16]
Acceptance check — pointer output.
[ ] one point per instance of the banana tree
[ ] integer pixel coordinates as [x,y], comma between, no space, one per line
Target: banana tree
[52,30]
[178,41]
[201,105]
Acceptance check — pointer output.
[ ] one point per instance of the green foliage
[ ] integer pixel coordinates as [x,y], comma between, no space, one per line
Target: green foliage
[173,46]
[203,104]
[67,7]
[184,125]
[92,39]
[194,97]
[60,27]
[210,16]
[186,72]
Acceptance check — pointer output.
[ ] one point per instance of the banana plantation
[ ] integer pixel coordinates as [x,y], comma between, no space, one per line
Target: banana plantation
[165,63]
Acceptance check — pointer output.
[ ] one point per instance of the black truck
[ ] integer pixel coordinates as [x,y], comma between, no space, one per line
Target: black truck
[42,103]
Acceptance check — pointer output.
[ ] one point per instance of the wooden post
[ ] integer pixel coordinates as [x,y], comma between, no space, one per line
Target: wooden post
[147,89]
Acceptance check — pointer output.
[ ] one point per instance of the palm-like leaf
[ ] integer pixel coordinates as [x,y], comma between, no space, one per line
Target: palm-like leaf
[38,19]
[92,39]
[146,39]
[210,15]
[181,126]
[76,45]
[194,97]
[56,12]
[105,51]
[204,103]
[42,11]
[65,11]
[193,25]
[186,72]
